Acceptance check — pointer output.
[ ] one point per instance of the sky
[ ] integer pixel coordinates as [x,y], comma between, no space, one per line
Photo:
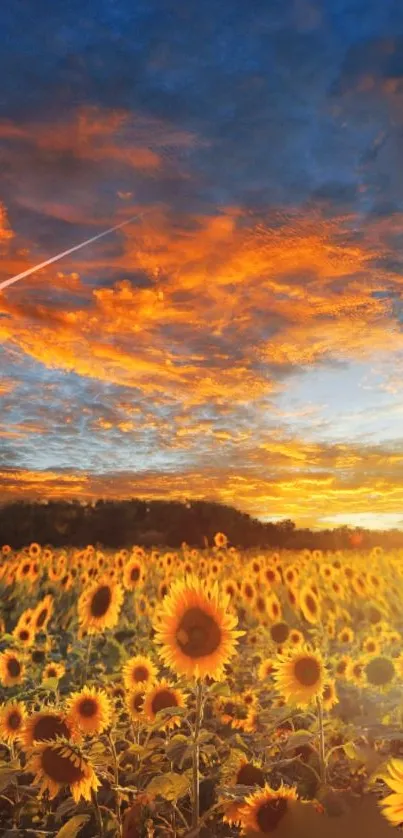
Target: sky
[241,340]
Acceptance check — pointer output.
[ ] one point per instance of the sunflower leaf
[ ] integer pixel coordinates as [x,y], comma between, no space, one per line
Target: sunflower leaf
[171,786]
[72,827]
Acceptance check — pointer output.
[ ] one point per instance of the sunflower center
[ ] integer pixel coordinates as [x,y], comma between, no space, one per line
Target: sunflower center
[41,617]
[88,707]
[162,700]
[327,692]
[198,634]
[138,702]
[380,671]
[14,667]
[51,673]
[101,601]
[307,671]
[270,814]
[49,727]
[279,632]
[310,603]
[24,634]
[134,574]
[250,775]
[14,720]
[26,568]
[140,673]
[60,769]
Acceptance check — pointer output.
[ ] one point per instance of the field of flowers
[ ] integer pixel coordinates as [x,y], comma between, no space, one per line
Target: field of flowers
[211,693]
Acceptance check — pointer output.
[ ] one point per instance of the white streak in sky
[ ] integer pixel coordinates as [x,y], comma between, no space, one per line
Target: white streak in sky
[56,258]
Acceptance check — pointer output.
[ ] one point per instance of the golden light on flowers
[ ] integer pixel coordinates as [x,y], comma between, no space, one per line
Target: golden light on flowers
[279,632]
[160,697]
[89,710]
[45,725]
[309,604]
[139,670]
[266,669]
[57,765]
[242,773]
[196,631]
[24,635]
[264,809]
[12,717]
[392,805]
[133,574]
[329,695]
[299,675]
[99,605]
[345,635]
[134,701]
[12,668]
[43,613]
[220,539]
[53,670]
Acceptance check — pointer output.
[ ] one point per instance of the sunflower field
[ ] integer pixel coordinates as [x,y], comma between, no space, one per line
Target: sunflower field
[200,693]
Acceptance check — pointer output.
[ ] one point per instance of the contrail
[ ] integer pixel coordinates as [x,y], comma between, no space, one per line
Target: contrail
[56,258]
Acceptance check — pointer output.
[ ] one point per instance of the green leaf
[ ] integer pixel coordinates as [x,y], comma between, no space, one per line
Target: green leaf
[73,826]
[171,786]
[297,739]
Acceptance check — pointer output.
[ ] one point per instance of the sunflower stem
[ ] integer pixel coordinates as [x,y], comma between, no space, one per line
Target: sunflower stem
[98,815]
[322,750]
[196,755]
[116,772]
[87,658]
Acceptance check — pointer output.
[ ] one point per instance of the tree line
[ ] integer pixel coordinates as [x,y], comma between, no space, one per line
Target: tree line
[159,522]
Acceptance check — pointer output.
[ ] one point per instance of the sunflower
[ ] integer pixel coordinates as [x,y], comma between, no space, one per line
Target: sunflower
[34,550]
[12,668]
[273,607]
[196,630]
[371,645]
[57,765]
[220,539]
[296,638]
[300,675]
[25,636]
[233,711]
[243,773]
[345,635]
[329,695]
[12,717]
[230,589]
[43,613]
[134,701]
[53,670]
[264,809]
[380,672]
[248,592]
[99,605]
[266,669]
[133,574]
[309,604]
[160,697]
[89,710]
[279,632]
[355,671]
[45,725]
[139,670]
[341,666]
[24,570]
[393,804]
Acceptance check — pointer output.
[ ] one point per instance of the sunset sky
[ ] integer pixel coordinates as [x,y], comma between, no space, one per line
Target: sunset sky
[242,341]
